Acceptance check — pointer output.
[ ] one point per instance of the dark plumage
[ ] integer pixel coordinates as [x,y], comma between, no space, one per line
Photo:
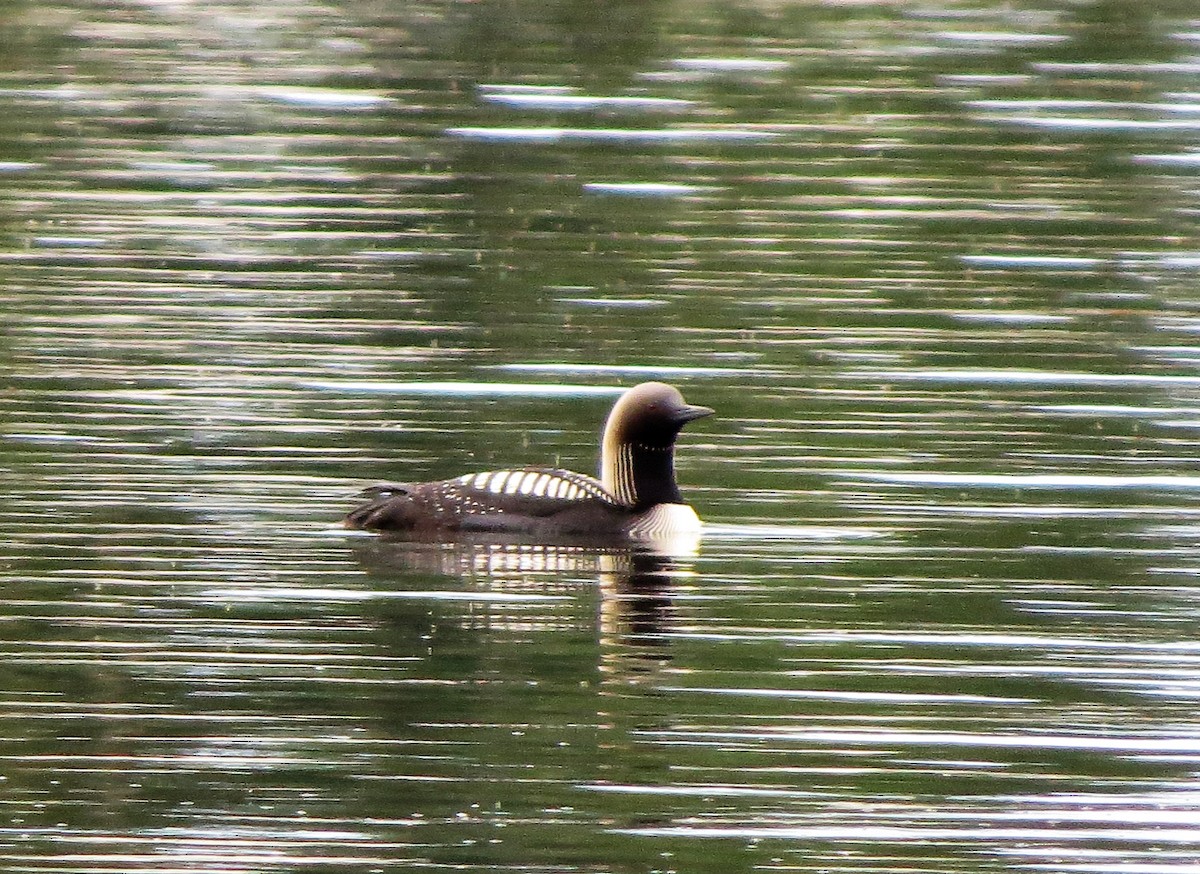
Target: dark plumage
[636,496]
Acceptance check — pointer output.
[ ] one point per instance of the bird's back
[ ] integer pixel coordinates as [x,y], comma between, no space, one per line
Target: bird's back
[533,499]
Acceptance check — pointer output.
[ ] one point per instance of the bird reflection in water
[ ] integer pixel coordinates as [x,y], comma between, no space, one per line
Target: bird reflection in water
[637,584]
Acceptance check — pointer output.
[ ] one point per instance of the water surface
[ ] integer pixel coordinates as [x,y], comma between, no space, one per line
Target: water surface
[935,266]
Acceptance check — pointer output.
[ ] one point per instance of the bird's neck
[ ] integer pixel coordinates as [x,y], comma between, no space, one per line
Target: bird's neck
[637,475]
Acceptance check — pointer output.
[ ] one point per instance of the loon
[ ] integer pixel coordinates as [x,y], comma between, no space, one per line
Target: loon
[636,496]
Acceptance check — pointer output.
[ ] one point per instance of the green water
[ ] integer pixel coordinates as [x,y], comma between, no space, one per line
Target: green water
[935,266]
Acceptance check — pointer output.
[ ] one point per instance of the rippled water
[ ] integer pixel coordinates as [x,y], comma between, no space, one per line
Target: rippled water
[934,265]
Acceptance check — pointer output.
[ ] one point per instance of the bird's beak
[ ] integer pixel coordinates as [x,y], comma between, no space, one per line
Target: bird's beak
[691,412]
